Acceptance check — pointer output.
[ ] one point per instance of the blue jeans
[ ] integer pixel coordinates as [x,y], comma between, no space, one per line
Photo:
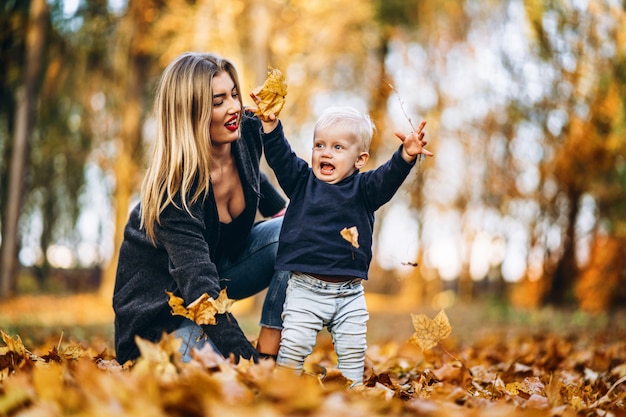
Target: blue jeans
[312,304]
[245,276]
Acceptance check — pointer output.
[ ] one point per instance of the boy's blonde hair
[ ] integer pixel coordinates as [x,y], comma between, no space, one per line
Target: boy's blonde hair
[182,148]
[349,117]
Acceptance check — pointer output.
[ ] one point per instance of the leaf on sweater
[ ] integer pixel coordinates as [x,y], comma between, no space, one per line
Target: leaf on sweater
[428,333]
[203,309]
[351,235]
[270,97]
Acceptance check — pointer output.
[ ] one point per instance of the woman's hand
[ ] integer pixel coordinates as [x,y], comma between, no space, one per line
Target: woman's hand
[413,144]
[229,339]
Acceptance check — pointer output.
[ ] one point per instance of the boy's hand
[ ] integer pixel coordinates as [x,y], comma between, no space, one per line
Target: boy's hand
[270,122]
[413,144]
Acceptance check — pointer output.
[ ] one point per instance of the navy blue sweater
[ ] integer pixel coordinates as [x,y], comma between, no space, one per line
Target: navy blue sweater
[183,260]
[310,239]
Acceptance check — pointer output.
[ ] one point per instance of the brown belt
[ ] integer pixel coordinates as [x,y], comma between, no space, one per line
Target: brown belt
[333,278]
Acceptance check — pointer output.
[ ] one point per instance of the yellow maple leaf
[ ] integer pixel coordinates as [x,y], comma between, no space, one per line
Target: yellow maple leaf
[428,333]
[351,235]
[203,309]
[223,303]
[270,97]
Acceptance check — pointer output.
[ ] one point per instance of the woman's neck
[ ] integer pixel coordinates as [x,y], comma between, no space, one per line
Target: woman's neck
[221,153]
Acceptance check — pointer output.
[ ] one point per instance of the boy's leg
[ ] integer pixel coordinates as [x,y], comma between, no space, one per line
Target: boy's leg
[303,317]
[349,329]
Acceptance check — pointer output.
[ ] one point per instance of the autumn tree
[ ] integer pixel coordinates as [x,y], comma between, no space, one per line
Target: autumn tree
[25,115]
[581,117]
[132,61]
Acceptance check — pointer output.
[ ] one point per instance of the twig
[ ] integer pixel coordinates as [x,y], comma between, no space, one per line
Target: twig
[420,157]
[606,397]
[60,340]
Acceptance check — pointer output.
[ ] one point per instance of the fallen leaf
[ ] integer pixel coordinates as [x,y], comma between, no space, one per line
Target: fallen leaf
[13,354]
[428,333]
[158,358]
[270,97]
[351,235]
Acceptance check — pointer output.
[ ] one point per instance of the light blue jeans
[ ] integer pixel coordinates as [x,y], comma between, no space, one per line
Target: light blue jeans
[310,305]
[245,276]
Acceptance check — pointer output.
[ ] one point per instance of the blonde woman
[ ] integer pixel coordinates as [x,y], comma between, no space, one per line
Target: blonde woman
[194,230]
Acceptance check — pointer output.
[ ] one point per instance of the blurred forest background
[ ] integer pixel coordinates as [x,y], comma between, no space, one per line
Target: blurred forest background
[524,201]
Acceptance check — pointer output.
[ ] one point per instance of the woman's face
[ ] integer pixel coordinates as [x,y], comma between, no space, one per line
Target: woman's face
[226,110]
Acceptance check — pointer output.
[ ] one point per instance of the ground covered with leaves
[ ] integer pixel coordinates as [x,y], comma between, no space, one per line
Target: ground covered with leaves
[415,366]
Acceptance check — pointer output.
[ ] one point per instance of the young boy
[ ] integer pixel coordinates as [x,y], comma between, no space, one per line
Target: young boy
[325,288]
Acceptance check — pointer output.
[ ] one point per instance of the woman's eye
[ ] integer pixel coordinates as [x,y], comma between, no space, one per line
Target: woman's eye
[217,103]
[235,93]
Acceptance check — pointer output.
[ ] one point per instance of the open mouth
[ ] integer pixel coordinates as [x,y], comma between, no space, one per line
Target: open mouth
[326,168]
[232,124]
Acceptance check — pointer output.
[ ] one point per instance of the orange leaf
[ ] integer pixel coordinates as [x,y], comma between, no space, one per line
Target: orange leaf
[428,333]
[351,235]
[157,358]
[271,95]
[203,309]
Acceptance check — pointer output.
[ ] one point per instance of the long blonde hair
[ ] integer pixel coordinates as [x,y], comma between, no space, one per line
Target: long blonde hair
[182,149]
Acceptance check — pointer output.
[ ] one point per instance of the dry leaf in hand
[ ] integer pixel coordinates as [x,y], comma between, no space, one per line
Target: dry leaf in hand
[270,97]
[203,309]
[223,303]
[351,235]
[428,333]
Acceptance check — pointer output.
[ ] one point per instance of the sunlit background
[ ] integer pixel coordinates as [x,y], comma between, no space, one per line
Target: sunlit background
[524,100]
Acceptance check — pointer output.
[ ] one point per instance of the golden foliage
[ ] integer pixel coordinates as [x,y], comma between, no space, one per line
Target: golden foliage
[270,97]
[600,279]
[525,375]
[429,333]
[203,309]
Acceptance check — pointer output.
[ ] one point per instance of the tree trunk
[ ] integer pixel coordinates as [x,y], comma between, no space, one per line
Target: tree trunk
[24,118]
[565,274]
[129,72]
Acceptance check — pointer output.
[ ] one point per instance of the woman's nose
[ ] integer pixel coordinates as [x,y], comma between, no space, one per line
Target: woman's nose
[234,106]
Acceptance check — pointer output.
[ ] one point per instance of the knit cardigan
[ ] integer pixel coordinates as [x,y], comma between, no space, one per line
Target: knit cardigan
[183,261]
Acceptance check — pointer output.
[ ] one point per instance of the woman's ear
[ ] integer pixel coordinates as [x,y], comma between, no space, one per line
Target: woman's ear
[362,160]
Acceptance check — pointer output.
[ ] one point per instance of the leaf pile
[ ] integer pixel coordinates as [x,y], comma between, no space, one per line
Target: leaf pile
[530,375]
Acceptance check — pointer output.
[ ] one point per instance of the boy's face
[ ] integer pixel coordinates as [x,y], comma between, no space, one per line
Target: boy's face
[336,154]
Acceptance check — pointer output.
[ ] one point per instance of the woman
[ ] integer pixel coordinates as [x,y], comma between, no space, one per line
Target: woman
[194,230]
